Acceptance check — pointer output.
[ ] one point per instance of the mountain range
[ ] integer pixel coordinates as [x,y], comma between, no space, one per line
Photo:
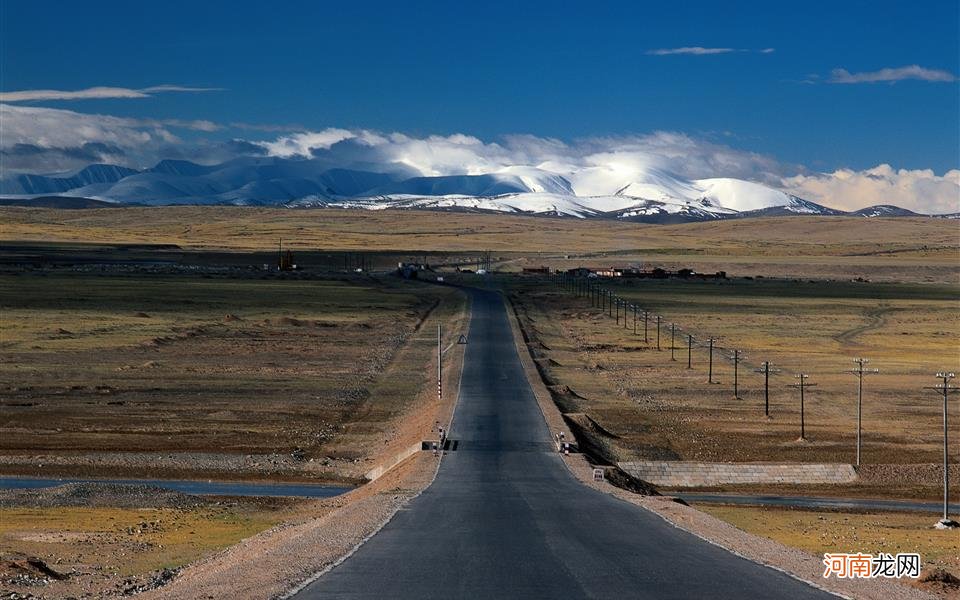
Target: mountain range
[655,196]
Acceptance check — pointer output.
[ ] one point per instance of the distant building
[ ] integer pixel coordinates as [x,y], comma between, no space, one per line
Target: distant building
[537,270]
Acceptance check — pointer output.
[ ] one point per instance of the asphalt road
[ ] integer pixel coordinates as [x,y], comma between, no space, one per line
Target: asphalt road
[505,518]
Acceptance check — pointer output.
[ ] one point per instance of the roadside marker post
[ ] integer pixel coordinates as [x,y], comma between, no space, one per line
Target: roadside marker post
[689,351]
[945,389]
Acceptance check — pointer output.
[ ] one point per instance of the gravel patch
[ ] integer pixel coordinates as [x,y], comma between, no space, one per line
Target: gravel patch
[99,495]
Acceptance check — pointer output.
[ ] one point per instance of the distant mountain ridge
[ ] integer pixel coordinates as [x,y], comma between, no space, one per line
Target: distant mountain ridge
[653,196]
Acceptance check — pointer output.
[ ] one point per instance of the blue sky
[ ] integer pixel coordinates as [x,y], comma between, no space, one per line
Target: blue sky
[564,70]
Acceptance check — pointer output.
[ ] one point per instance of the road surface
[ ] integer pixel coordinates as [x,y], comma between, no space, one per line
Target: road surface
[505,518]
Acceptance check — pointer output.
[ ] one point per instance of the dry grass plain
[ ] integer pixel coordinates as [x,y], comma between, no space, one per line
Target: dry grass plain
[837,532]
[914,249]
[129,541]
[232,374]
[655,408]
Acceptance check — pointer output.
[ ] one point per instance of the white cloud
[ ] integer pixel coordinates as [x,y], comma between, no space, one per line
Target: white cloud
[919,190]
[599,165]
[96,93]
[701,51]
[48,139]
[892,75]
[695,50]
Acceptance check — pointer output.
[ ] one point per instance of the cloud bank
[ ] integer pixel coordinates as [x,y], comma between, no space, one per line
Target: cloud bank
[919,190]
[43,140]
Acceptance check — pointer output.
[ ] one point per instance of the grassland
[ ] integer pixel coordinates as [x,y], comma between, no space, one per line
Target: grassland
[652,407]
[126,540]
[821,532]
[234,372]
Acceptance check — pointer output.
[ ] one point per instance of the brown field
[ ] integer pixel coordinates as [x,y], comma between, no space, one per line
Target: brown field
[232,373]
[129,541]
[651,407]
[821,532]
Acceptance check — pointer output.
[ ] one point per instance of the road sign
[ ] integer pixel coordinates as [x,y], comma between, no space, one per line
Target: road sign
[598,474]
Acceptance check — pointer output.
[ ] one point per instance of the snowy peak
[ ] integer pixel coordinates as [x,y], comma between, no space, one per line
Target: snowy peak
[884,210]
[62,182]
[652,195]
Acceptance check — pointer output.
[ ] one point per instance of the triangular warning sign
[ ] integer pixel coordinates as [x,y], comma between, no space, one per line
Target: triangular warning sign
[462,340]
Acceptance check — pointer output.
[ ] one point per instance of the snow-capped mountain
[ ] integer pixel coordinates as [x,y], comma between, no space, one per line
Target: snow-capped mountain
[64,182]
[653,196]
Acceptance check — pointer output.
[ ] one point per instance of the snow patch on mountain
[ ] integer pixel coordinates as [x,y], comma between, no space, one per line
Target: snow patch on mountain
[609,191]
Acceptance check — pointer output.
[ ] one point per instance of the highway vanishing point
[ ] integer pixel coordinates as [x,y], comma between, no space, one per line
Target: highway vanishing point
[506,519]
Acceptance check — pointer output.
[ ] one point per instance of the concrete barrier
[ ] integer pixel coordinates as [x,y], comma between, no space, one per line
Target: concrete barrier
[398,458]
[698,474]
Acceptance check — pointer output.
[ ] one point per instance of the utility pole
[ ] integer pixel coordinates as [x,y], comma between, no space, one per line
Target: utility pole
[658,333]
[673,336]
[646,321]
[737,357]
[802,379]
[710,341]
[689,351]
[765,368]
[945,389]
[634,319]
[618,309]
[610,304]
[860,372]
[439,361]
